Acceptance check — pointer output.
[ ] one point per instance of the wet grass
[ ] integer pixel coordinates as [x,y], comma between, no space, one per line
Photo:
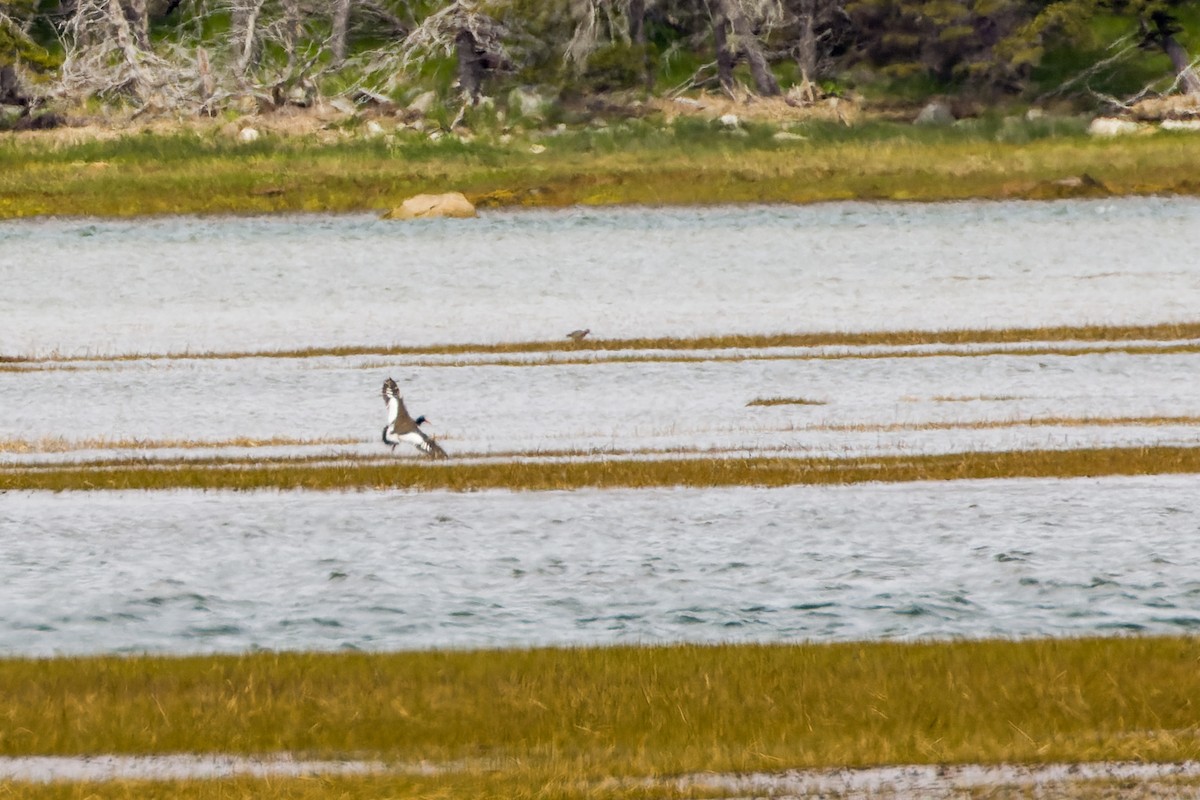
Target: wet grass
[784,401]
[60,444]
[764,471]
[585,714]
[1162,337]
[513,783]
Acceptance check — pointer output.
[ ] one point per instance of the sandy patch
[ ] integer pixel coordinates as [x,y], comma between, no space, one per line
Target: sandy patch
[931,782]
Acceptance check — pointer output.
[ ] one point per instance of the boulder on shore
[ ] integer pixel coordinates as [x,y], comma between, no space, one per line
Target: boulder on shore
[428,206]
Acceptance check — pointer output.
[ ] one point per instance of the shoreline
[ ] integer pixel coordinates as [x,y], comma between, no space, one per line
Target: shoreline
[895,781]
[637,163]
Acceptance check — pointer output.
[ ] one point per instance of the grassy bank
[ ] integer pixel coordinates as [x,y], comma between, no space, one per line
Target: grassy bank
[628,711]
[762,471]
[637,162]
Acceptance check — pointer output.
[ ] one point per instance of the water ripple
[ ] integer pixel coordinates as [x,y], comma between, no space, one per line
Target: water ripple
[185,572]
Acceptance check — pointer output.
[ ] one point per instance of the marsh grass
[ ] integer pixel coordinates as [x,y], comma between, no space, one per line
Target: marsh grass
[187,173]
[1137,339]
[511,783]
[590,713]
[61,444]
[784,401]
[765,471]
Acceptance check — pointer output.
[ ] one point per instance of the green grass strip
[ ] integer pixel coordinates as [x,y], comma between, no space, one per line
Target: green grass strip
[146,174]
[587,713]
[617,473]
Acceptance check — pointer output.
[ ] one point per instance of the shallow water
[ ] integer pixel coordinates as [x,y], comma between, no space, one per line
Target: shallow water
[182,572]
[173,284]
[870,405]
[190,572]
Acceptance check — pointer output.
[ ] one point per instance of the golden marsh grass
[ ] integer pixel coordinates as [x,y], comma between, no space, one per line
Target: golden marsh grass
[60,444]
[1158,338]
[784,401]
[592,713]
[764,471]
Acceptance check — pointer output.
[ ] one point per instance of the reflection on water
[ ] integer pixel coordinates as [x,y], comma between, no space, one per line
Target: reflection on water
[189,572]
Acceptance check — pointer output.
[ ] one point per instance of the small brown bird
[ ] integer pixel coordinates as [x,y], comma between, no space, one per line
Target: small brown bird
[579,335]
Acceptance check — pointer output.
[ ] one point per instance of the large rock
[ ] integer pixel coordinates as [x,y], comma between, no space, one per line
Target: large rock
[423,103]
[1112,126]
[428,206]
[935,113]
[528,102]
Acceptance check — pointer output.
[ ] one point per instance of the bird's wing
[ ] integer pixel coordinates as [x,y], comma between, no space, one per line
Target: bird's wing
[431,447]
[436,449]
[395,407]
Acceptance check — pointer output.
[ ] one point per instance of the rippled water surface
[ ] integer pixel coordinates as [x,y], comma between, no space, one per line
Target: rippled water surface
[191,572]
[187,572]
[176,284]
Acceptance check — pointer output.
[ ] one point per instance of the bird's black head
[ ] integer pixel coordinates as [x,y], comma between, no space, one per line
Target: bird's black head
[420,420]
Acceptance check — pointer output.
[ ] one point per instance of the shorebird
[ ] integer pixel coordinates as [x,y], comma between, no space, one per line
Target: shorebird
[403,428]
[579,335]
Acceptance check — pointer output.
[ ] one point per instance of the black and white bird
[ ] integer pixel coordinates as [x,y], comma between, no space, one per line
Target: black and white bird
[579,335]
[403,428]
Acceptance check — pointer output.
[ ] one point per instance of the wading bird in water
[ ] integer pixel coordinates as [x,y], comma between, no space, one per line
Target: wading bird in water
[403,428]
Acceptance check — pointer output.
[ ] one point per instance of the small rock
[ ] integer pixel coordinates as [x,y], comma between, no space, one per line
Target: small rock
[729,120]
[935,114]
[373,128]
[423,102]
[1111,126]
[537,149]
[344,105]
[527,102]
[248,135]
[1180,125]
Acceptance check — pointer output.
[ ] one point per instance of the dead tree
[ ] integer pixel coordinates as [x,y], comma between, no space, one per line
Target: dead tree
[734,36]
[1159,30]
[247,44]
[104,55]
[340,25]
[746,41]
[462,30]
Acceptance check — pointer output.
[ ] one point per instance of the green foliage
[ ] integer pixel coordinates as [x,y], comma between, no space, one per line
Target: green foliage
[617,65]
[16,45]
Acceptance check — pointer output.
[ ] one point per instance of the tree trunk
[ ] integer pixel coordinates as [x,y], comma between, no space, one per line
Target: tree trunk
[1188,79]
[246,40]
[291,32]
[746,42]
[806,41]
[637,35]
[341,22]
[10,87]
[720,40]
[139,22]
[470,65]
